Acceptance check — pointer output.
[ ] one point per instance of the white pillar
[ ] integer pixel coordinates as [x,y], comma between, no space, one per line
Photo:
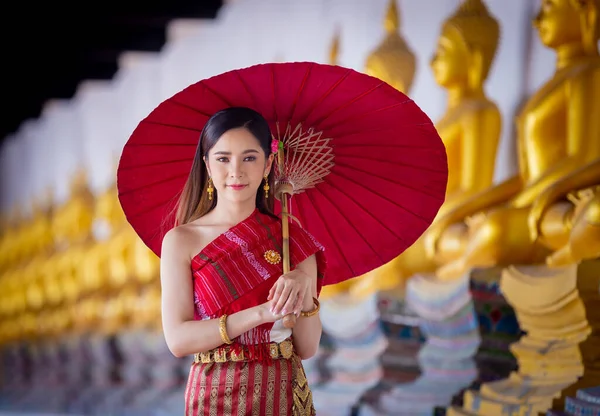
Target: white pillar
[36,163]
[64,132]
[98,109]
[137,85]
[9,171]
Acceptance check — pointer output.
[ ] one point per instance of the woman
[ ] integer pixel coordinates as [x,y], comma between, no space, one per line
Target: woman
[223,291]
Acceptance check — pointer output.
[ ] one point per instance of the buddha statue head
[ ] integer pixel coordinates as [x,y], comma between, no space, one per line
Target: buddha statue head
[466,47]
[569,22]
[334,49]
[393,61]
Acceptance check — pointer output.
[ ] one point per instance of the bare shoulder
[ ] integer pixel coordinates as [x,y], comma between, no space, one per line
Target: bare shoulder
[183,240]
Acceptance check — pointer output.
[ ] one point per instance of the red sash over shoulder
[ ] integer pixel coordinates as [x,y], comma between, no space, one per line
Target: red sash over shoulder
[232,274]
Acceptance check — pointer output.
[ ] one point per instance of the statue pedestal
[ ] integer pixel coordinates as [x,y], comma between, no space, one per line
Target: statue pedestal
[498,326]
[354,367]
[449,324]
[14,379]
[559,309]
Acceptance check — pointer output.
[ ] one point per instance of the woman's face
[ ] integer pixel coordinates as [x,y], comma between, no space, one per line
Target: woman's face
[237,165]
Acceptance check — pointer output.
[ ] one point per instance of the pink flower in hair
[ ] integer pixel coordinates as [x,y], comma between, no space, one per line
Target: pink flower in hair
[274,146]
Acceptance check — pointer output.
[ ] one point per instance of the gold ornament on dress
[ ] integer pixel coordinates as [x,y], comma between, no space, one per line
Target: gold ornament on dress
[272,257]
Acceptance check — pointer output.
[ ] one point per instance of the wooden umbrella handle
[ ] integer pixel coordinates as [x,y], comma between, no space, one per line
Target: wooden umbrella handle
[285,189]
[289,320]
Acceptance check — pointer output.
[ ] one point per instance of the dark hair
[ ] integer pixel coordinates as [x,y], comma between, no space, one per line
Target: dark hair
[193,202]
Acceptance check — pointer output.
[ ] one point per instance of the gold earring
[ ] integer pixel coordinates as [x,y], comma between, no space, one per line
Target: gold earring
[210,189]
[266,187]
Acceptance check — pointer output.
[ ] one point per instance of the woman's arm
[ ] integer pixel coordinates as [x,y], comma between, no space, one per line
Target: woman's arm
[307,331]
[183,334]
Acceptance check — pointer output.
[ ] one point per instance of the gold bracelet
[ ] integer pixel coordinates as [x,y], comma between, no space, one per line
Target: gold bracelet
[223,330]
[314,311]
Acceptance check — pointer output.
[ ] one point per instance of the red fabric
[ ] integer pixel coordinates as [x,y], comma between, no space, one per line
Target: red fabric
[385,189]
[231,273]
[248,388]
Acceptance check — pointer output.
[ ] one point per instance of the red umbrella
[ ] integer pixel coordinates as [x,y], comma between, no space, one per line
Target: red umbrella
[367,169]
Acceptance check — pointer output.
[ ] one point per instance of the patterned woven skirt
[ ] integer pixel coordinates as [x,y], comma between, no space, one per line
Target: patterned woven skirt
[248,388]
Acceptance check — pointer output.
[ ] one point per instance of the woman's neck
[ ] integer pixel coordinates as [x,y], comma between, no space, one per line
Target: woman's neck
[233,213]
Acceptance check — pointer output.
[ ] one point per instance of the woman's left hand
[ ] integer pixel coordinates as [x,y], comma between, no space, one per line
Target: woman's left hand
[288,293]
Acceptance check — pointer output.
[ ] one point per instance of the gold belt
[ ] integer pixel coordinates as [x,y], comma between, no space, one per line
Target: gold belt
[283,349]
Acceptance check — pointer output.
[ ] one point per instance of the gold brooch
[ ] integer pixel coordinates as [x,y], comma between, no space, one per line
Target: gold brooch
[272,256]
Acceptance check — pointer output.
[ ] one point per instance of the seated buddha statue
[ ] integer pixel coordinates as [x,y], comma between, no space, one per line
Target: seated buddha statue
[557,134]
[13,237]
[53,292]
[147,314]
[118,311]
[4,227]
[71,226]
[129,260]
[572,203]
[394,62]
[72,221]
[470,129]
[40,229]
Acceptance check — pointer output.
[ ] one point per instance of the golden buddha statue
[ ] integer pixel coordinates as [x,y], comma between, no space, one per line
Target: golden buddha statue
[118,311]
[393,61]
[73,220]
[470,130]
[147,314]
[4,240]
[13,233]
[41,238]
[127,258]
[557,134]
[573,203]
[33,279]
[71,226]
[53,291]
[87,314]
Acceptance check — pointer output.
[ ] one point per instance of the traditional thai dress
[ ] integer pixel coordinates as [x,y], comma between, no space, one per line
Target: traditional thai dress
[260,373]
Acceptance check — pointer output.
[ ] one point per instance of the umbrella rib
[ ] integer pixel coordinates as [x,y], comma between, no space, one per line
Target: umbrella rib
[368,213]
[174,126]
[386,179]
[347,103]
[162,144]
[367,113]
[147,165]
[406,165]
[150,208]
[171,100]
[274,97]
[379,145]
[148,185]
[327,93]
[386,129]
[350,222]
[319,214]
[203,83]
[241,79]
[300,90]
[381,196]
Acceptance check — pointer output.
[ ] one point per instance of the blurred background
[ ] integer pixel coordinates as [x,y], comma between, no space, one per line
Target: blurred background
[440,332]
